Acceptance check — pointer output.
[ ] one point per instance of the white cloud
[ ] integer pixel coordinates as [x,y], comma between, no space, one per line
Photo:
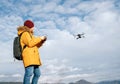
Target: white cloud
[46,25]
[57,71]
[16,75]
[77,26]
[78,76]
[2,76]
[48,7]
[11,78]
[58,66]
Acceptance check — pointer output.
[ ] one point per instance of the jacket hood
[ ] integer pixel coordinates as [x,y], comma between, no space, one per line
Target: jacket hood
[22,29]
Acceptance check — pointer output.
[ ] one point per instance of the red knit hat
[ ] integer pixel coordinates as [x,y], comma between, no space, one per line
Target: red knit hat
[29,23]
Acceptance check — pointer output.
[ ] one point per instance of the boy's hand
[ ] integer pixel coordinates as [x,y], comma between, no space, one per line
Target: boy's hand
[44,38]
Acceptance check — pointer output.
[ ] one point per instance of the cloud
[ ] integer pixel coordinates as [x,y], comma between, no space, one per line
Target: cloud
[56,71]
[11,78]
[54,65]
[9,26]
[45,25]
[16,75]
[1,76]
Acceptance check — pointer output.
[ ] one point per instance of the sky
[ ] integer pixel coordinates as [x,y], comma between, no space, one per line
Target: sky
[64,59]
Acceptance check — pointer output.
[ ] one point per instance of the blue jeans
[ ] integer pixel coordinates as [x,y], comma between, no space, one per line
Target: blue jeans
[29,71]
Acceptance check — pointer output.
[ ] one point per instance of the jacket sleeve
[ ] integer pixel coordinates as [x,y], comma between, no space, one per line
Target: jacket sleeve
[40,44]
[30,41]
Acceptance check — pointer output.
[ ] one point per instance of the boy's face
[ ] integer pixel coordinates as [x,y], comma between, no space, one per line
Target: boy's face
[31,29]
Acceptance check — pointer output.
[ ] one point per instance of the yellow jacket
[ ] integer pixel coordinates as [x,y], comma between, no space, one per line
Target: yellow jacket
[30,53]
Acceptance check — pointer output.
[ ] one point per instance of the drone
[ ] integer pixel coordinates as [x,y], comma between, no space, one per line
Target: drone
[78,36]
